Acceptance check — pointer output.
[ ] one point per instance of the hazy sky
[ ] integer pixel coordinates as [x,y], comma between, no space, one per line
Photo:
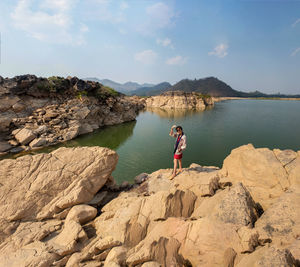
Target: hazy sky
[249,44]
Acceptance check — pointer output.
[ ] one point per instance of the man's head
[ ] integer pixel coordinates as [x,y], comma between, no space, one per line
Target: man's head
[179,129]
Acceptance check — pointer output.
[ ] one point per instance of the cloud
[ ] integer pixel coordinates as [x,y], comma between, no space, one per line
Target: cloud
[158,16]
[177,60]
[83,28]
[296,22]
[124,5]
[50,21]
[105,11]
[219,51]
[61,5]
[161,14]
[165,42]
[297,50]
[146,57]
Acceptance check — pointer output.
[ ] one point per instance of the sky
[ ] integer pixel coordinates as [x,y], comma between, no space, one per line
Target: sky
[249,44]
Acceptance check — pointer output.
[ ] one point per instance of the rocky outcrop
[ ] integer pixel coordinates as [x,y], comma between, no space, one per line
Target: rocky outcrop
[203,217]
[37,112]
[179,100]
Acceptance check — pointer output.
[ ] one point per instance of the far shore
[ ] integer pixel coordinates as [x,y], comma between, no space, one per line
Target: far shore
[218,99]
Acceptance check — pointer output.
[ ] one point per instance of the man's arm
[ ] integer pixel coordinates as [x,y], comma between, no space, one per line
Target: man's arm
[172,132]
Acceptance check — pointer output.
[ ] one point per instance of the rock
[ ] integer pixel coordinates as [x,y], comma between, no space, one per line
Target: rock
[38,142]
[70,239]
[141,178]
[98,198]
[237,207]
[281,221]
[25,136]
[41,129]
[177,100]
[17,149]
[203,217]
[18,107]
[266,257]
[33,254]
[285,156]
[71,133]
[151,264]
[81,113]
[117,255]
[259,170]
[85,128]
[293,170]
[229,257]
[81,214]
[5,120]
[7,102]
[4,146]
[42,185]
[28,232]
[249,239]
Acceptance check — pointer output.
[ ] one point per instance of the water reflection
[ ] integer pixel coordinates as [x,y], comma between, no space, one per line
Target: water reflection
[173,113]
[109,136]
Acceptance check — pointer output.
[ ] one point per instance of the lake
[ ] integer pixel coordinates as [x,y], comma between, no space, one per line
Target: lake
[145,146]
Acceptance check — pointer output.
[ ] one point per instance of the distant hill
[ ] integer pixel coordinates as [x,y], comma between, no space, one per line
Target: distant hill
[125,88]
[153,90]
[207,86]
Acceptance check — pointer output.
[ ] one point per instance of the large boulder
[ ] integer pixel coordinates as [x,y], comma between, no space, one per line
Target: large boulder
[259,170]
[43,185]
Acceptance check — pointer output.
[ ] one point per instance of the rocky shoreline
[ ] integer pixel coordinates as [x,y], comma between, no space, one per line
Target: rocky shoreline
[64,209]
[38,112]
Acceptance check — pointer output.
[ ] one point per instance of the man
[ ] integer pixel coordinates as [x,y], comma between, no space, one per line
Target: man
[180,145]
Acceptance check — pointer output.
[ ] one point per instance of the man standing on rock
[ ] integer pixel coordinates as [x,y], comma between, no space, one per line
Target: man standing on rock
[180,145]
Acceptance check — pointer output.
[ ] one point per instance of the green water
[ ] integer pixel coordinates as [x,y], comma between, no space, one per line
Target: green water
[145,146]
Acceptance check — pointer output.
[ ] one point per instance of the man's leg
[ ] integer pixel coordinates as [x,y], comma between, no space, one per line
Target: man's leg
[174,169]
[180,165]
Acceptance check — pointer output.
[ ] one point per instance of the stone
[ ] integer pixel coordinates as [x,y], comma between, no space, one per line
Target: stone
[43,185]
[4,146]
[260,172]
[18,107]
[177,100]
[33,254]
[17,149]
[237,207]
[25,136]
[71,133]
[68,241]
[38,142]
[285,156]
[81,214]
[281,221]
[229,257]
[268,256]
[41,129]
[117,255]
[151,264]
[141,178]
[28,232]
[5,120]
[7,102]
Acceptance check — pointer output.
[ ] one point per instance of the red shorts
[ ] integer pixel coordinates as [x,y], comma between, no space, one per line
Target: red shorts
[177,156]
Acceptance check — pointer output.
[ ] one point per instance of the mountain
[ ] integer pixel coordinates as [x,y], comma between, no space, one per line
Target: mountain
[125,88]
[207,86]
[153,90]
